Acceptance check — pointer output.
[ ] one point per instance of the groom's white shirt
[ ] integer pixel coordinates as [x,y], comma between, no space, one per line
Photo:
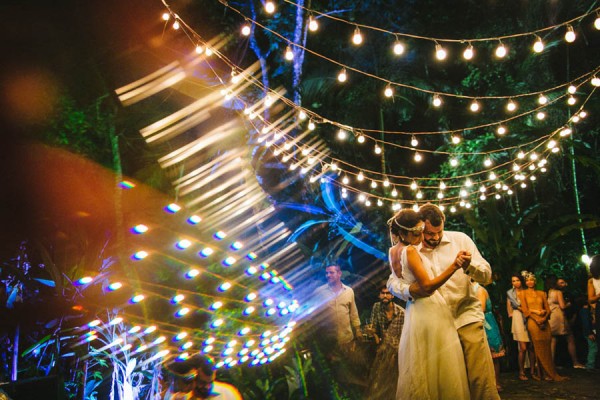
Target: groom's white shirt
[458,290]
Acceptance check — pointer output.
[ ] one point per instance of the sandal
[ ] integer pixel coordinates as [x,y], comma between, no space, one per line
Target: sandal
[536,377]
[523,377]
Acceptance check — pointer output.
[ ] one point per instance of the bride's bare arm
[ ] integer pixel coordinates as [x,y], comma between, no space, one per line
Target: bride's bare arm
[426,284]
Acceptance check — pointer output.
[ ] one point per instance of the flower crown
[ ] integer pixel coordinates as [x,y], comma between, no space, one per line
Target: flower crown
[413,229]
[527,274]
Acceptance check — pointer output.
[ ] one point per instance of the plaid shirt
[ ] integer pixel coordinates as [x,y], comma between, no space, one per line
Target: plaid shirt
[388,331]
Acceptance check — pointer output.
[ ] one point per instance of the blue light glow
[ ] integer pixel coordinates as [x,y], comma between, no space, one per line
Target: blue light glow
[84,281]
[236,245]
[265,276]
[115,286]
[192,273]
[216,305]
[268,302]
[149,329]
[183,244]
[251,256]
[194,220]
[182,312]
[186,345]
[217,323]
[207,251]
[249,310]
[180,336]
[137,298]
[177,299]
[250,296]
[172,208]
[225,286]
[244,331]
[127,185]
[229,261]
[140,255]
[139,229]
[251,270]
[271,311]
[220,235]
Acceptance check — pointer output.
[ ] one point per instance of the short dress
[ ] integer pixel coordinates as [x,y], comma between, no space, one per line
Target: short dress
[492,332]
[518,329]
[559,325]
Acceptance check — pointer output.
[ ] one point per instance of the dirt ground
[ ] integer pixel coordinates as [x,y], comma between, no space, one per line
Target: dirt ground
[582,385]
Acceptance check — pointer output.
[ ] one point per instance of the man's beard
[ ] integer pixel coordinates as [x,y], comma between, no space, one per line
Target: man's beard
[432,243]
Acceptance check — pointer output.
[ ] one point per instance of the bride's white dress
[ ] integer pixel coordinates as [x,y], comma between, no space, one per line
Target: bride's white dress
[430,357]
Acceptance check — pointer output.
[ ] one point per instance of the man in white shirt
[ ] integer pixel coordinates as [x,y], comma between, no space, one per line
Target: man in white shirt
[441,247]
[339,319]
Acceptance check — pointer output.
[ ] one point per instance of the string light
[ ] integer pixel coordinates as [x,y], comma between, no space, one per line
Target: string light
[437,100]
[313,25]
[342,134]
[542,100]
[501,130]
[440,53]
[269,7]
[166,16]
[414,142]
[597,22]
[360,139]
[538,46]
[176,25]
[469,52]
[511,106]
[571,101]
[357,38]
[474,107]
[246,30]
[289,54]
[342,77]
[570,34]
[389,91]
[500,51]
[455,139]
[418,157]
[398,48]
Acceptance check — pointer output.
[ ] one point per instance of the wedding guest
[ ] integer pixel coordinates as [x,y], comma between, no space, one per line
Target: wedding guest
[518,329]
[559,325]
[387,320]
[537,311]
[492,331]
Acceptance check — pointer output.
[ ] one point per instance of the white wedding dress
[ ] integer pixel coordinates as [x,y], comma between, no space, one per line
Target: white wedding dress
[430,357]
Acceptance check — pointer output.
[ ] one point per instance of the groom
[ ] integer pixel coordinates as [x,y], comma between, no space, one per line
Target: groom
[441,248]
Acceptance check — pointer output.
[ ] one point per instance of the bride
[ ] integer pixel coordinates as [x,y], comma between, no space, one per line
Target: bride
[430,357]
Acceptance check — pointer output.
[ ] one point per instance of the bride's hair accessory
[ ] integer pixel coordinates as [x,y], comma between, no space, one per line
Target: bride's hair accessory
[413,229]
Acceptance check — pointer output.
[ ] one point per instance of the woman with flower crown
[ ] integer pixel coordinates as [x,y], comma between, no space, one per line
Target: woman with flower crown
[534,305]
[430,358]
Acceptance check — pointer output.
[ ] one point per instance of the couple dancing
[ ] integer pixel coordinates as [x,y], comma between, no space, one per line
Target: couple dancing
[443,351]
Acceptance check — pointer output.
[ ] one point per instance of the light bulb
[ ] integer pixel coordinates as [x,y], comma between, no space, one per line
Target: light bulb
[414,142]
[360,177]
[199,49]
[437,100]
[394,192]
[176,25]
[413,185]
[453,162]
[302,115]
[373,184]
[311,126]
[468,53]
[342,134]
[474,106]
[377,149]
[570,34]
[572,89]
[270,7]
[313,25]
[386,182]
[209,52]
[418,157]
[440,53]
[492,176]
[345,180]
[388,92]
[360,139]
[565,131]
[501,51]
[289,54]
[595,81]
[455,139]
[541,115]
[597,23]
[398,48]
[571,100]
[342,75]
[357,38]
[487,162]
[166,16]
[538,46]
[246,30]
[501,130]
[520,155]
[542,99]
[511,106]
[442,186]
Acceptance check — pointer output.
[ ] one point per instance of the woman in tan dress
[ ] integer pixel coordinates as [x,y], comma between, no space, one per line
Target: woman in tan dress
[535,308]
[518,329]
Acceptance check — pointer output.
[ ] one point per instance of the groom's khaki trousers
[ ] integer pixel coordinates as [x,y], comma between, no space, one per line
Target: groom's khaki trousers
[478,359]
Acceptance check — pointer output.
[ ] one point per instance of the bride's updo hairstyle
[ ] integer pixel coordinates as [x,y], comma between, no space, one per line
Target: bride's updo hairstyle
[401,223]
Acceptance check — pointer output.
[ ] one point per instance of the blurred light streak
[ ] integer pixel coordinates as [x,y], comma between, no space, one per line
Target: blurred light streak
[197,145]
